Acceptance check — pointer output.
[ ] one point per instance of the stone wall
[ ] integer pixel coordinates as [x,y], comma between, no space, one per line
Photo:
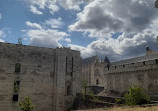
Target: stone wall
[121,75]
[42,77]
[36,81]
[93,71]
[143,74]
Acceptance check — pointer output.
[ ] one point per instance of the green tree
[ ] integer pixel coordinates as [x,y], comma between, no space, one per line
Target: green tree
[136,96]
[26,104]
[84,85]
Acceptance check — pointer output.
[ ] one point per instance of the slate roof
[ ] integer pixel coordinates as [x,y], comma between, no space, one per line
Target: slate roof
[137,59]
[89,60]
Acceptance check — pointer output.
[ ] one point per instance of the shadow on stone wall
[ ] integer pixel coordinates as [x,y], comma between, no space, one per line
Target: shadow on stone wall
[81,103]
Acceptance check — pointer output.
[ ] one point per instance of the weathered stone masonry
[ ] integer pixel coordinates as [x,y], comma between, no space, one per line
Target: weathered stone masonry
[140,71]
[121,75]
[51,77]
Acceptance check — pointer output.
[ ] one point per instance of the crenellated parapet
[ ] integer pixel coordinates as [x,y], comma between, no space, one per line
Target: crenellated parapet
[33,53]
[138,64]
[133,67]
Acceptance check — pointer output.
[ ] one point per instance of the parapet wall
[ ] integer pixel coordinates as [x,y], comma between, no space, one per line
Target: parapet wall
[133,67]
[142,73]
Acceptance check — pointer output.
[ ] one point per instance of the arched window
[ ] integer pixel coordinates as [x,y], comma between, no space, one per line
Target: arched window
[96,72]
[97,82]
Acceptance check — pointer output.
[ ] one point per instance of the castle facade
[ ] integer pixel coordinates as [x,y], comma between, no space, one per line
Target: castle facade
[53,77]
[50,77]
[121,75]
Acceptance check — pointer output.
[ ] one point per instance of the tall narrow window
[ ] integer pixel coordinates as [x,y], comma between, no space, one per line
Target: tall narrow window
[16,86]
[17,67]
[17,83]
[68,88]
[97,82]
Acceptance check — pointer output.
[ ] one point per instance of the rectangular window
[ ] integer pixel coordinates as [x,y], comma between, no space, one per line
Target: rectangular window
[16,86]
[17,83]
[17,67]
[68,90]
[15,97]
[71,74]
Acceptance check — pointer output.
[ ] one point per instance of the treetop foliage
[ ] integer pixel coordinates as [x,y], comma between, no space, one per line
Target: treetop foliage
[136,96]
[26,104]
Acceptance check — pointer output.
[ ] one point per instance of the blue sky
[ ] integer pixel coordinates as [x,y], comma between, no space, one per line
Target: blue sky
[118,29]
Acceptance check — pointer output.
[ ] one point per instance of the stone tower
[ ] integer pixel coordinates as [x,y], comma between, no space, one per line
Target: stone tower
[50,77]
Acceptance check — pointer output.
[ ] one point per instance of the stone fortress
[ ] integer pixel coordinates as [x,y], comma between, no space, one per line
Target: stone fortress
[52,77]
[119,76]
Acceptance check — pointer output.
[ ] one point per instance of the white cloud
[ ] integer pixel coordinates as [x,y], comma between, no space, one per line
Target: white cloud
[36,5]
[67,39]
[85,51]
[102,17]
[2,40]
[2,35]
[40,3]
[120,48]
[53,5]
[34,10]
[33,25]
[44,36]
[54,23]
[71,4]
[136,20]
[3,32]
[53,8]
[25,39]
[0,16]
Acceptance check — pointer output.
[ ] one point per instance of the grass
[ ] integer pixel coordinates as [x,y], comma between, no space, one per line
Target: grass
[125,108]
